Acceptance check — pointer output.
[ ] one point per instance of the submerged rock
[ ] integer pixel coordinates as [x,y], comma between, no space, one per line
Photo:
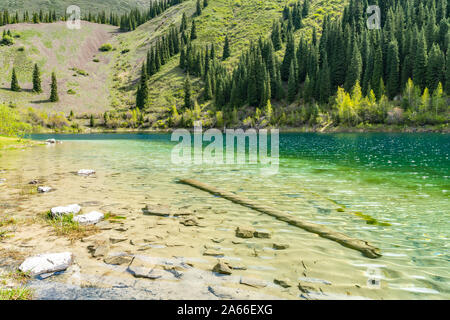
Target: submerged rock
[44,189]
[99,250]
[262,235]
[236,266]
[152,210]
[212,252]
[285,283]
[118,260]
[222,268]
[280,246]
[255,283]
[86,172]
[114,240]
[143,269]
[89,218]
[47,263]
[245,233]
[62,211]
[34,182]
[50,141]
[189,221]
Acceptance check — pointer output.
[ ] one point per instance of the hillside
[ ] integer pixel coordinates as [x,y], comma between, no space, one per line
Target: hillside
[243,21]
[60,6]
[68,53]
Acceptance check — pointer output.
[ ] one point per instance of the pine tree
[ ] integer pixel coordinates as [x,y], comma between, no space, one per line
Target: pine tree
[305,10]
[447,71]
[393,76]
[142,91]
[14,82]
[199,8]
[276,36]
[435,68]
[54,89]
[36,80]
[377,73]
[187,93]
[193,31]
[226,49]
[208,89]
[420,63]
[324,81]
[92,121]
[292,85]
[354,69]
[183,25]
[288,56]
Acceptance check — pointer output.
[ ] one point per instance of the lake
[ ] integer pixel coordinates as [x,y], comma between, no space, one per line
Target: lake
[394,189]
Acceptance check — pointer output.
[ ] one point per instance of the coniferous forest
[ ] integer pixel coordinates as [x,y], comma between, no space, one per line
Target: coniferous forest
[349,74]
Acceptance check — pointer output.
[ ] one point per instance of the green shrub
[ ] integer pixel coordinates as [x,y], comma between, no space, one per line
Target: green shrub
[11,125]
[106,47]
[7,40]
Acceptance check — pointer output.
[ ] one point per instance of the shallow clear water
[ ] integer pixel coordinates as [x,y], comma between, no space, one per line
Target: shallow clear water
[400,180]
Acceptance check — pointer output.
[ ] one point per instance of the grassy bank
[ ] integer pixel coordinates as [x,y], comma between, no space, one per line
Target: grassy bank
[11,143]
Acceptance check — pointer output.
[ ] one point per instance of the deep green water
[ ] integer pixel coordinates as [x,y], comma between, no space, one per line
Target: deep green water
[400,180]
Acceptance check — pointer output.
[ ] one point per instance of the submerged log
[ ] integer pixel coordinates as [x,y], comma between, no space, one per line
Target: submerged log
[362,246]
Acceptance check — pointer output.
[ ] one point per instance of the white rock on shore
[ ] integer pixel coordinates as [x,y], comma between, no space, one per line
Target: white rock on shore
[62,211]
[85,172]
[47,263]
[89,218]
[44,189]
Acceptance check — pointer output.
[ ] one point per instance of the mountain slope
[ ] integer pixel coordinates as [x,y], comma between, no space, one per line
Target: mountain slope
[70,54]
[243,21]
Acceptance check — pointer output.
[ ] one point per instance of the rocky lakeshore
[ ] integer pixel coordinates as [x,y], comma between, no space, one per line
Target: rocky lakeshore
[146,251]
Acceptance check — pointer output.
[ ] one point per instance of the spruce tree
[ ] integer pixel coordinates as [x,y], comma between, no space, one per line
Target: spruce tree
[292,84]
[447,71]
[377,73]
[393,76]
[226,49]
[92,121]
[183,25]
[14,82]
[193,31]
[288,56]
[324,81]
[187,93]
[420,62]
[198,11]
[354,69]
[276,36]
[142,91]
[208,89]
[435,68]
[36,80]
[54,89]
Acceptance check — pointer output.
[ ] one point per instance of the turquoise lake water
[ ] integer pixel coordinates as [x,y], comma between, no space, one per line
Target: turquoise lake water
[400,181]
